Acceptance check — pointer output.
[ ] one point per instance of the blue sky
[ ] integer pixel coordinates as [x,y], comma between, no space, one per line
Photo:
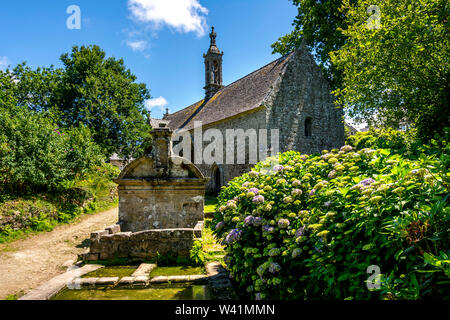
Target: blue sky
[161,41]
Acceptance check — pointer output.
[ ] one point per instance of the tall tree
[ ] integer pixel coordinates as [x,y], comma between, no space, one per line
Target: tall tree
[102,94]
[397,68]
[318,23]
[33,89]
[89,90]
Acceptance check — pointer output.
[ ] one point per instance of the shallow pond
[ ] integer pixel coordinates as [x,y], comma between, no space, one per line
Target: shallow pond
[160,292]
[176,271]
[119,271]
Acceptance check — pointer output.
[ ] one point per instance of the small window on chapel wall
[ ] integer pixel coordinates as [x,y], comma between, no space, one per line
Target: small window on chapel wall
[308,127]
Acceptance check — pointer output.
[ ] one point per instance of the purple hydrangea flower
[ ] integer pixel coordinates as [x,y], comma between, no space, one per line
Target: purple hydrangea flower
[249,220]
[357,186]
[254,190]
[233,236]
[258,199]
[274,252]
[253,174]
[367,181]
[231,204]
[278,168]
[327,204]
[346,148]
[283,223]
[268,228]
[312,192]
[274,267]
[300,232]
[220,225]
[227,259]
[332,174]
[257,221]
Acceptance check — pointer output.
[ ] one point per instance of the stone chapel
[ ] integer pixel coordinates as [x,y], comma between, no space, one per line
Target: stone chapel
[289,94]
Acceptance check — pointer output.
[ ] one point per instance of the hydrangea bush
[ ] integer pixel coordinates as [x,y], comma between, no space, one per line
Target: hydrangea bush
[311,227]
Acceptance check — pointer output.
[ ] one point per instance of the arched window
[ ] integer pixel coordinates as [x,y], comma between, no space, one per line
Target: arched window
[216,72]
[308,127]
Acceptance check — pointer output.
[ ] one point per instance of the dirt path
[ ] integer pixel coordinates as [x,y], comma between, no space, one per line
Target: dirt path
[25,264]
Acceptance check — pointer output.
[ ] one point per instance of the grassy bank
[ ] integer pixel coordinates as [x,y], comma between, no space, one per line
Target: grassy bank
[28,214]
[43,216]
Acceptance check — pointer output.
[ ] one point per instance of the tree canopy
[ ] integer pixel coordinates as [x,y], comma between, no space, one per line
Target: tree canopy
[36,155]
[90,90]
[399,70]
[386,74]
[318,23]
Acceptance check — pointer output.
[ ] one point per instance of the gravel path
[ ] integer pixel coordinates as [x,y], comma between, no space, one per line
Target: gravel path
[26,264]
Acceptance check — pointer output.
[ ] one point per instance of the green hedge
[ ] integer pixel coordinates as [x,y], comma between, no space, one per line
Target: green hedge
[42,212]
[405,143]
[36,155]
[312,226]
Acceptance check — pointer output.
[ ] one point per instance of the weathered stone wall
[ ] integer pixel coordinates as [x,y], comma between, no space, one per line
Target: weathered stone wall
[300,94]
[144,244]
[165,196]
[254,120]
[160,207]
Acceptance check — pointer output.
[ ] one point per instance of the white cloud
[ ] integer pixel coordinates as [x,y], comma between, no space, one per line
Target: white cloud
[358,125]
[183,15]
[139,45]
[4,63]
[156,103]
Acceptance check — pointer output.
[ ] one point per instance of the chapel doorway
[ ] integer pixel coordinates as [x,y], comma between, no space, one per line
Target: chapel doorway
[217,184]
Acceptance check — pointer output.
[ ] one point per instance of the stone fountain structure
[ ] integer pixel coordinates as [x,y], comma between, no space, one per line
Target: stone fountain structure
[161,205]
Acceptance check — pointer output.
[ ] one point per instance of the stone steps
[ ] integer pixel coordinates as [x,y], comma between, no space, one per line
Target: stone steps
[144,269]
[142,277]
[216,278]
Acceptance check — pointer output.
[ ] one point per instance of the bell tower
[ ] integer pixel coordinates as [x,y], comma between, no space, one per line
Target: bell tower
[213,67]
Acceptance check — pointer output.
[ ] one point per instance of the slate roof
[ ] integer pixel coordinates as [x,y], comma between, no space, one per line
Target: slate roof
[240,96]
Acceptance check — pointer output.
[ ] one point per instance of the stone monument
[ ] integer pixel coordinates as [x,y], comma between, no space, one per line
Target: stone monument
[161,205]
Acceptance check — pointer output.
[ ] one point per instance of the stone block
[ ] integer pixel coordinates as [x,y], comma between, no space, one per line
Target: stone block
[90,256]
[98,234]
[106,256]
[178,278]
[107,281]
[88,282]
[159,279]
[213,268]
[198,229]
[121,236]
[96,247]
[196,277]
[145,235]
[141,279]
[126,280]
[144,269]
[113,229]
